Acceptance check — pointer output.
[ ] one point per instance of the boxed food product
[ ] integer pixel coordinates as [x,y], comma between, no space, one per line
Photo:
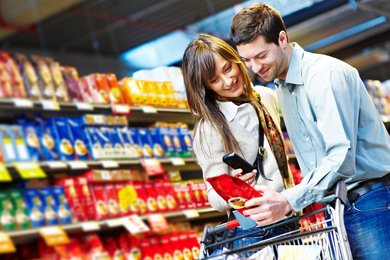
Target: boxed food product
[45,78]
[74,199]
[50,205]
[64,138]
[84,90]
[71,80]
[112,200]
[100,201]
[116,96]
[47,140]
[9,151]
[86,197]
[63,209]
[100,90]
[35,207]
[151,198]
[185,140]
[165,138]
[139,206]
[79,138]
[29,75]
[94,144]
[13,73]
[145,142]
[127,142]
[21,211]
[19,143]
[5,82]
[133,134]
[31,136]
[61,90]
[7,213]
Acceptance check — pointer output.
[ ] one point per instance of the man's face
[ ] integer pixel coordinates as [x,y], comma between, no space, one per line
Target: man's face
[264,59]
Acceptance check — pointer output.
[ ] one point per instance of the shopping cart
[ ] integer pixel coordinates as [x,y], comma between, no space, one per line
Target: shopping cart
[324,240]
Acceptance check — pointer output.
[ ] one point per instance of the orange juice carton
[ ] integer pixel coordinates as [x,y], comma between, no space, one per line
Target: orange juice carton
[29,76]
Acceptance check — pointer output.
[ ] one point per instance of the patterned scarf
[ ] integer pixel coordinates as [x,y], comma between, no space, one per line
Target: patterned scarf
[275,140]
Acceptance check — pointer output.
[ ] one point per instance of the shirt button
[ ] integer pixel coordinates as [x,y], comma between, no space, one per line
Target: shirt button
[307,139]
[305,202]
[293,93]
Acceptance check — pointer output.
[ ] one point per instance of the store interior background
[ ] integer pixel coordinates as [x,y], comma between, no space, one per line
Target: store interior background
[93,35]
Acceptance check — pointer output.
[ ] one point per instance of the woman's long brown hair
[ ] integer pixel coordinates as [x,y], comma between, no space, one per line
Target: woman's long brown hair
[198,68]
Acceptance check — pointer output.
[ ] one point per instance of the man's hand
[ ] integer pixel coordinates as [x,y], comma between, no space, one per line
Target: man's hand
[269,208]
[249,177]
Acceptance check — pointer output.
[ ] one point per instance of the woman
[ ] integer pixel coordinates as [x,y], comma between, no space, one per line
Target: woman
[227,111]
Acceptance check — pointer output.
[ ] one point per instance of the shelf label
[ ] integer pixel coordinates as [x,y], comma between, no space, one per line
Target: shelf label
[149,109]
[127,196]
[84,106]
[90,226]
[21,102]
[135,225]
[191,213]
[56,165]
[50,105]
[29,170]
[77,165]
[110,164]
[116,222]
[157,222]
[54,236]
[6,244]
[120,109]
[177,161]
[152,166]
[4,174]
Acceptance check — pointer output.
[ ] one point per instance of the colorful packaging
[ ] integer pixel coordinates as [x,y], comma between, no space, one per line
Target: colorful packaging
[21,211]
[31,137]
[15,85]
[165,139]
[145,142]
[158,150]
[175,135]
[86,197]
[94,144]
[84,90]
[64,138]
[47,140]
[71,80]
[7,213]
[73,198]
[61,91]
[44,78]
[5,81]
[127,142]
[151,198]
[19,143]
[63,210]
[185,140]
[100,201]
[116,96]
[134,135]
[101,93]
[35,207]
[29,76]
[79,138]
[9,151]
[113,200]
[50,205]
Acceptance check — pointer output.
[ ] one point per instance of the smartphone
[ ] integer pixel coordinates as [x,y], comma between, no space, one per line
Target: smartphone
[237,162]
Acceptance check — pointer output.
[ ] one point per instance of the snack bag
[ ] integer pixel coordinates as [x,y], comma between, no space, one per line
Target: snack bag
[71,80]
[233,190]
[30,77]
[44,76]
[16,86]
[61,91]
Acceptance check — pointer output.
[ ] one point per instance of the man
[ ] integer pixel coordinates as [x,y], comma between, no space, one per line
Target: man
[335,130]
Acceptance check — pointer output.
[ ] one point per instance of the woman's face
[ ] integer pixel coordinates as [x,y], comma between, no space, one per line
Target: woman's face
[227,81]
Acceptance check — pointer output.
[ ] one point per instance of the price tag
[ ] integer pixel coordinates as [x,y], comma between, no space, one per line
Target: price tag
[152,166]
[6,244]
[4,174]
[56,165]
[90,226]
[110,164]
[84,106]
[21,102]
[127,196]
[77,165]
[191,213]
[177,161]
[117,222]
[54,235]
[157,222]
[135,225]
[120,109]
[149,109]
[50,105]
[29,170]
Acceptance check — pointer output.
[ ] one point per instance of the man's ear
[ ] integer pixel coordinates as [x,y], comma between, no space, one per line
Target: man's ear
[283,38]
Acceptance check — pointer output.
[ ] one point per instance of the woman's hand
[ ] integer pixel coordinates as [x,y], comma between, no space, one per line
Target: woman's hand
[249,177]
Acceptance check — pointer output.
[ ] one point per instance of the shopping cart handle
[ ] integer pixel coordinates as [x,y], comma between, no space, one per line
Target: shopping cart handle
[338,192]
[222,227]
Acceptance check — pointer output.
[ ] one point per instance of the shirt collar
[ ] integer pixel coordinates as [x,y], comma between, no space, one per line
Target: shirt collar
[228,109]
[294,75]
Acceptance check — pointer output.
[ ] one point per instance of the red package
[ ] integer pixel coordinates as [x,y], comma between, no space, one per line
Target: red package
[85,196]
[72,197]
[170,196]
[113,200]
[193,240]
[233,190]
[140,204]
[100,201]
[151,198]
[166,247]
[112,248]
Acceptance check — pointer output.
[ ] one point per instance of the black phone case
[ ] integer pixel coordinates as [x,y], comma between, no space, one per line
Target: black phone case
[237,162]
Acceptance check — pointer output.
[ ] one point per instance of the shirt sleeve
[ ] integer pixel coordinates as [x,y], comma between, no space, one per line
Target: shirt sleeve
[333,102]
[208,149]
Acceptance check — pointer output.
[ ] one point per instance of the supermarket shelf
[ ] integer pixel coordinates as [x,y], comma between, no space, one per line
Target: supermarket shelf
[53,167]
[22,236]
[146,114]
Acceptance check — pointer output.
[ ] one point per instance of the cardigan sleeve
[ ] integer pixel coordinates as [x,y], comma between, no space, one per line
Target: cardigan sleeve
[208,149]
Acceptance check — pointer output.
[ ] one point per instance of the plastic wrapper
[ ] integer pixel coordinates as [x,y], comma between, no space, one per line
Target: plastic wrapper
[29,76]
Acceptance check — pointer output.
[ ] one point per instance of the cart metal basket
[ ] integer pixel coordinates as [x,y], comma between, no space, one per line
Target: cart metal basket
[326,240]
